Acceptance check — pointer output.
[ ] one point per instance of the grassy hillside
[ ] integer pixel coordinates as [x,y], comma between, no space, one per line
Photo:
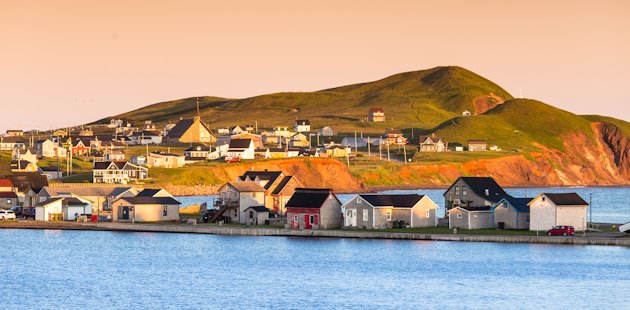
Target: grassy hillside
[623,125]
[517,125]
[419,99]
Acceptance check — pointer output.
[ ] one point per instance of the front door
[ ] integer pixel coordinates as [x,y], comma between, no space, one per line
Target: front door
[307,222]
[351,217]
[125,213]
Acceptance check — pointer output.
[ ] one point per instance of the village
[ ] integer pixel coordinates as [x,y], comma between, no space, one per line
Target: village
[115,190]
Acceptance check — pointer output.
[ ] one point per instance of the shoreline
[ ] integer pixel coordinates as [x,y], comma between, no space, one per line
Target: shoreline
[281,232]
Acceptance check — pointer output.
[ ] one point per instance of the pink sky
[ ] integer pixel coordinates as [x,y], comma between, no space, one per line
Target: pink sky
[69,62]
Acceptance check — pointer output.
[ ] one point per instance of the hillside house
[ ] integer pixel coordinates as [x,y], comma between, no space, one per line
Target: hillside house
[138,160]
[381,211]
[145,137]
[473,192]
[15,133]
[23,166]
[298,140]
[78,147]
[554,209]
[145,209]
[237,130]
[165,160]
[334,150]
[477,145]
[302,125]
[198,151]
[281,131]
[111,172]
[276,152]
[394,137]
[326,132]
[465,217]
[376,115]
[49,148]
[262,153]
[511,213]
[432,143]
[114,156]
[241,148]
[51,172]
[190,131]
[9,144]
[25,155]
[314,208]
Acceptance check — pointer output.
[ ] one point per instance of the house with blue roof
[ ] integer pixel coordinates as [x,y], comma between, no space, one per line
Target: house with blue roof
[511,213]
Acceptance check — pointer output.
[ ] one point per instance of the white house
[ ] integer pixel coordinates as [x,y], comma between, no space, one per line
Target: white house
[165,160]
[50,148]
[145,137]
[302,125]
[241,148]
[326,132]
[281,131]
[62,209]
[553,209]
[118,172]
[381,211]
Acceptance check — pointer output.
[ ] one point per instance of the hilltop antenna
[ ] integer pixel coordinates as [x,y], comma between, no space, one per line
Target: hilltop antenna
[520,93]
[198,113]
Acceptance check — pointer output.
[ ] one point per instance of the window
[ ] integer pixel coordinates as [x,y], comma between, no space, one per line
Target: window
[365,215]
[295,218]
[388,215]
[464,190]
[358,200]
[505,205]
[165,211]
[311,219]
[456,190]
[428,213]
[251,214]
[459,216]
[9,201]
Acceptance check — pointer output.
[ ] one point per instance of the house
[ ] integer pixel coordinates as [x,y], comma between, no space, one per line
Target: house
[262,153]
[432,143]
[145,137]
[298,140]
[9,144]
[223,131]
[273,140]
[8,196]
[154,192]
[51,172]
[473,192]
[302,125]
[78,147]
[236,130]
[256,215]
[15,133]
[314,208]
[61,209]
[86,132]
[25,155]
[477,145]
[50,148]
[145,209]
[465,217]
[281,131]
[167,129]
[376,115]
[190,131]
[28,186]
[236,197]
[241,148]
[326,132]
[114,156]
[112,172]
[553,209]
[293,152]
[198,151]
[138,160]
[511,213]
[99,197]
[276,152]
[23,166]
[115,123]
[381,211]
[278,187]
[394,137]
[165,160]
[335,150]
[258,141]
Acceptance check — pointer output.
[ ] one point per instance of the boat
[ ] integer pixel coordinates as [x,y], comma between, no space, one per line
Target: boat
[625,228]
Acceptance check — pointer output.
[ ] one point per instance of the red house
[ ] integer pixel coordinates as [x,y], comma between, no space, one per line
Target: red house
[314,208]
[79,148]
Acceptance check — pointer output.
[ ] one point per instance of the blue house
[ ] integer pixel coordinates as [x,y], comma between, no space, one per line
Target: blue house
[511,213]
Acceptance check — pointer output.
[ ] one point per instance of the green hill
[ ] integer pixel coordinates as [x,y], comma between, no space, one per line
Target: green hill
[419,99]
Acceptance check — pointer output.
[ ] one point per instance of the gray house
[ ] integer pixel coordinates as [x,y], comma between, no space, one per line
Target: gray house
[256,215]
[473,192]
[381,211]
[465,217]
[511,213]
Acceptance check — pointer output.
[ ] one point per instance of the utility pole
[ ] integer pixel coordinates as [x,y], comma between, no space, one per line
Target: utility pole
[405,153]
[388,159]
[590,206]
[380,153]
[355,143]
[369,152]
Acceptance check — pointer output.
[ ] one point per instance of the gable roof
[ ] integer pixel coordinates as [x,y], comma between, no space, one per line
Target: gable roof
[258,209]
[302,122]
[281,185]
[182,127]
[566,199]
[240,143]
[309,198]
[148,192]
[151,200]
[396,201]
[87,191]
[247,186]
[6,183]
[270,176]
[478,185]
[25,180]
[520,204]
[376,109]
[6,195]
[474,209]
[477,142]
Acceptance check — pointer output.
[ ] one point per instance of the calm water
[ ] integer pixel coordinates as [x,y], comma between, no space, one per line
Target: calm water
[102,270]
[610,204]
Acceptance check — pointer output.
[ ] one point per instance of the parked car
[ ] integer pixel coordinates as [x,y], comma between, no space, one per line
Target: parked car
[230,159]
[561,231]
[7,215]
[28,212]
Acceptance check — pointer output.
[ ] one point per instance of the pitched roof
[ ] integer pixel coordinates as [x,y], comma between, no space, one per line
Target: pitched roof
[258,209]
[302,122]
[6,183]
[281,185]
[198,148]
[479,185]
[25,180]
[148,192]
[180,128]
[376,109]
[247,186]
[240,143]
[47,202]
[151,200]
[105,164]
[309,197]
[566,199]
[87,191]
[396,201]
[475,209]
[22,164]
[520,204]
[271,176]
[477,141]
[6,195]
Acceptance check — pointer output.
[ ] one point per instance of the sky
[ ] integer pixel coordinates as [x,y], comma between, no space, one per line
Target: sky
[68,62]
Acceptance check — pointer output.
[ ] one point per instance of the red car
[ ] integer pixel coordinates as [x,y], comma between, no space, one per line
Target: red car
[561,231]
[230,159]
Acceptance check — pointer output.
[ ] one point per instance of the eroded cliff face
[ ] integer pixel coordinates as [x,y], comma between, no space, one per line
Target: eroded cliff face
[616,144]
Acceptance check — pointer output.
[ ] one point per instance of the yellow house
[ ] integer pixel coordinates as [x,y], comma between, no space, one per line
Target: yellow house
[191,131]
[145,209]
[337,151]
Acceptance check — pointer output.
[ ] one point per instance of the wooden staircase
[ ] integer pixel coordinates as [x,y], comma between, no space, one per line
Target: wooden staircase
[217,214]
